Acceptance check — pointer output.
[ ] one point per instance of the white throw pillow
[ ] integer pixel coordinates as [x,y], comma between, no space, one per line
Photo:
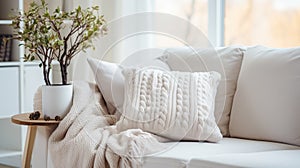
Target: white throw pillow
[266,105]
[110,79]
[176,105]
[227,61]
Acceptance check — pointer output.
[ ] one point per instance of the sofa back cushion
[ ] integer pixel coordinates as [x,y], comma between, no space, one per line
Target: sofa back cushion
[226,61]
[266,105]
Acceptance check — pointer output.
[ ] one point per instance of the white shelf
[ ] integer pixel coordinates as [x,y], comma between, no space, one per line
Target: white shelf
[16,63]
[4,117]
[12,160]
[22,79]
[10,63]
[7,153]
[5,22]
[15,75]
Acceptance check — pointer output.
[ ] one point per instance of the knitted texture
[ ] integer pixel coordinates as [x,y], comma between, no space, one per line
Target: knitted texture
[177,105]
[87,136]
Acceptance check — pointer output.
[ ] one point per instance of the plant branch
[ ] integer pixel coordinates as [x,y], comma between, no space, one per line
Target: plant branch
[47,38]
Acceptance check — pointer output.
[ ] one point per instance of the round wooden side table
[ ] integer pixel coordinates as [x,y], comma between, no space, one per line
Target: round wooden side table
[23,119]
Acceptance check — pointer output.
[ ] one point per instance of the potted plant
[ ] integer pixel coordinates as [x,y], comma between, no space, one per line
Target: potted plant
[60,36]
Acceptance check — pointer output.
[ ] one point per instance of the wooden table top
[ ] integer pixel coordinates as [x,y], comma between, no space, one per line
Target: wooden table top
[23,119]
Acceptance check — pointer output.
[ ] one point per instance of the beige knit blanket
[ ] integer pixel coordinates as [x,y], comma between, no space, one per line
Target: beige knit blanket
[87,136]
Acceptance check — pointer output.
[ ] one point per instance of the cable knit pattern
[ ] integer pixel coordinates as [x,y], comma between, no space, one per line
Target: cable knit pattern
[177,105]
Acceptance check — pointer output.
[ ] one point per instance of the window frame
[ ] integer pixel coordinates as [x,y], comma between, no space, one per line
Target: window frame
[216,15]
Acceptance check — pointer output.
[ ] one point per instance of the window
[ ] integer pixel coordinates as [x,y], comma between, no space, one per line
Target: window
[194,11]
[274,23]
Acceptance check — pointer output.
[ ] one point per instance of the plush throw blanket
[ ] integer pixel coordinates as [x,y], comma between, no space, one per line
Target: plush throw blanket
[87,136]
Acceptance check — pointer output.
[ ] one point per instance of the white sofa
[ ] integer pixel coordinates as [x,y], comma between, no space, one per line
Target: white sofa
[257,110]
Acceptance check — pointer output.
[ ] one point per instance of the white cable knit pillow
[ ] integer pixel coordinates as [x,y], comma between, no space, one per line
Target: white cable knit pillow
[177,105]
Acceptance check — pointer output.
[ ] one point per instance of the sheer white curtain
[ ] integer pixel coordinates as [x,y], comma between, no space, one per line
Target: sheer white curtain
[113,47]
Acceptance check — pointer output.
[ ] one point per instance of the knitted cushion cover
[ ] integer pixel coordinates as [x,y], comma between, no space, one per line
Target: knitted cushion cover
[176,105]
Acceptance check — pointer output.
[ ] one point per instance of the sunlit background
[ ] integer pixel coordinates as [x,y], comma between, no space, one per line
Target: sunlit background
[274,23]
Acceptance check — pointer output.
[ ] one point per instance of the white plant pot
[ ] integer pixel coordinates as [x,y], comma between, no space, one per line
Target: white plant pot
[56,100]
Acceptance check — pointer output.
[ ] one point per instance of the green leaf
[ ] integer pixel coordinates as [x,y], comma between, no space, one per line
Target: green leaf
[60,42]
[57,10]
[32,58]
[95,7]
[78,9]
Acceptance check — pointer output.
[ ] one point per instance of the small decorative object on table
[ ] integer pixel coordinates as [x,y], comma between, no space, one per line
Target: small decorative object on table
[60,36]
[35,115]
[46,118]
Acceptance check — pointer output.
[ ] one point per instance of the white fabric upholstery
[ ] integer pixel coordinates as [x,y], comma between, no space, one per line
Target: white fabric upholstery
[266,104]
[110,81]
[158,162]
[192,154]
[181,153]
[176,105]
[269,159]
[226,61]
[265,107]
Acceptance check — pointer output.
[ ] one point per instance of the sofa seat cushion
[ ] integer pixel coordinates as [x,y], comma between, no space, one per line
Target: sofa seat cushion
[280,158]
[180,153]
